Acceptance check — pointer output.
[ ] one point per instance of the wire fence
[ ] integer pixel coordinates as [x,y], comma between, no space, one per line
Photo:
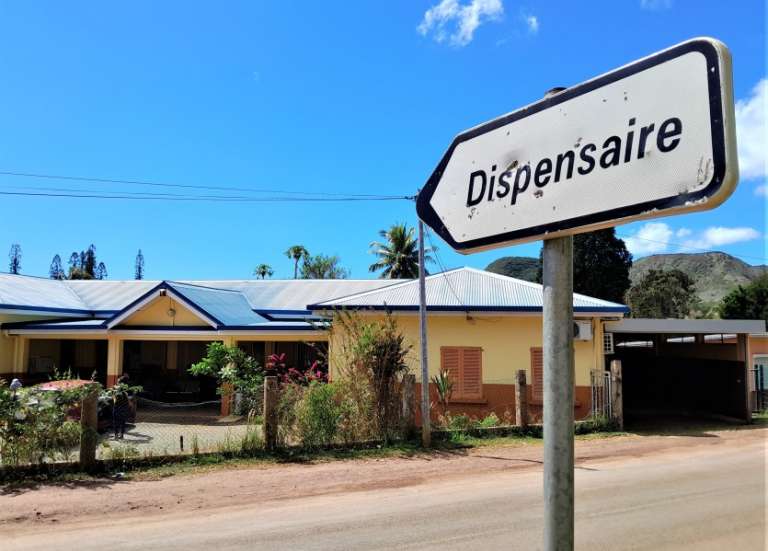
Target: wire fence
[160,428]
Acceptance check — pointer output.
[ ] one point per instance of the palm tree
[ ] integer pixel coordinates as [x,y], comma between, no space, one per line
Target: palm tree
[296,252]
[398,256]
[263,271]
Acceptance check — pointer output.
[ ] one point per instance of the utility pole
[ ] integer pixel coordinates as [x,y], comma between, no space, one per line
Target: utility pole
[557,280]
[557,276]
[426,427]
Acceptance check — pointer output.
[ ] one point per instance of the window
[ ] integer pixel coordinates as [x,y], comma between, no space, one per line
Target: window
[537,374]
[607,343]
[465,369]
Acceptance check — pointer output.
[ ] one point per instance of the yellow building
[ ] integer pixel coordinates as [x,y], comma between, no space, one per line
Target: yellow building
[482,328]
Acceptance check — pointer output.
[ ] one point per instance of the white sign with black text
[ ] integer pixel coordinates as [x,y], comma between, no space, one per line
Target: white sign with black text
[652,138]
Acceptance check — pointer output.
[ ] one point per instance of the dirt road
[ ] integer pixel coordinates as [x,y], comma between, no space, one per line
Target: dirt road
[674,492]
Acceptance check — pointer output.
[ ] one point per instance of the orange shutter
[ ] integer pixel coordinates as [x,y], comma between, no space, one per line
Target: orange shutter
[472,373]
[537,373]
[450,361]
[465,371]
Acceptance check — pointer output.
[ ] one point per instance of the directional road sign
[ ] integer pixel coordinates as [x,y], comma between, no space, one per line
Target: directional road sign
[652,138]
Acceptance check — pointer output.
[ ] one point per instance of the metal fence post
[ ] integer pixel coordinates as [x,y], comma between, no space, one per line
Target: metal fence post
[521,400]
[89,424]
[617,399]
[271,396]
[557,272]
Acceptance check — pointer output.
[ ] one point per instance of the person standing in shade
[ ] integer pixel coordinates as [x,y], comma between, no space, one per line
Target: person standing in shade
[120,406]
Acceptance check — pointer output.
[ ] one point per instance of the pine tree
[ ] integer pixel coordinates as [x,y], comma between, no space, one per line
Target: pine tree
[139,266]
[14,255]
[101,271]
[89,261]
[56,271]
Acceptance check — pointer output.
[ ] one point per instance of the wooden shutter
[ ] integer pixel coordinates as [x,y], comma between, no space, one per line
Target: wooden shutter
[465,369]
[537,373]
[472,373]
[450,361]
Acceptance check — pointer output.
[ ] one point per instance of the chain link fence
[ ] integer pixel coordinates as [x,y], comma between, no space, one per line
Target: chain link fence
[161,429]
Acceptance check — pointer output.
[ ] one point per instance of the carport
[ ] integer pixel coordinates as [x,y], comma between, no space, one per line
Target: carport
[683,368]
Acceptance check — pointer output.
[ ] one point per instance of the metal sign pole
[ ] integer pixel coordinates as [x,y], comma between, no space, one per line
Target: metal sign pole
[557,278]
[426,427]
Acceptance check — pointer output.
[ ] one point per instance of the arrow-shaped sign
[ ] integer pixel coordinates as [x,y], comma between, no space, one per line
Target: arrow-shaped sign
[652,138]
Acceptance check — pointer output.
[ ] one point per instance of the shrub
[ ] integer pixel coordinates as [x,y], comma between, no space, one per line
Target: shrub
[317,415]
[489,421]
[444,387]
[459,422]
[373,350]
[232,366]
[38,426]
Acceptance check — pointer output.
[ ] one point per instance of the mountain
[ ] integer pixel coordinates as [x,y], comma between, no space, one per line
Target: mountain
[716,274]
[521,267]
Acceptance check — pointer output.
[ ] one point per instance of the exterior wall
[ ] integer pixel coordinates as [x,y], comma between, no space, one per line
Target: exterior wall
[156,314]
[757,346]
[506,342]
[7,350]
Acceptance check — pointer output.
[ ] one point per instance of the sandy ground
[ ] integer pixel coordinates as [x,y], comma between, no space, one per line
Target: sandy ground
[695,483]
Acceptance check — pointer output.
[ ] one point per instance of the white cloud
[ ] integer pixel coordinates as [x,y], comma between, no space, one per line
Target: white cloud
[533,23]
[655,4]
[717,236]
[752,131]
[456,23]
[657,237]
[651,238]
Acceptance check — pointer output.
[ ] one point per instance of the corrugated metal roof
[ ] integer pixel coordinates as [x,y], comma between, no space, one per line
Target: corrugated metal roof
[465,289]
[295,294]
[226,306]
[109,296]
[19,290]
[89,296]
[677,326]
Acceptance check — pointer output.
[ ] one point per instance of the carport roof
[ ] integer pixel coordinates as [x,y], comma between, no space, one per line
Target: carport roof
[686,326]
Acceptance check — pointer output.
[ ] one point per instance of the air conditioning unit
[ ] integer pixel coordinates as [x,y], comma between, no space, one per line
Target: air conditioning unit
[582,330]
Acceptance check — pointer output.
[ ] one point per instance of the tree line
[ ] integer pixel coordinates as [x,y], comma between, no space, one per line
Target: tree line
[81,265]
[397,257]
[601,265]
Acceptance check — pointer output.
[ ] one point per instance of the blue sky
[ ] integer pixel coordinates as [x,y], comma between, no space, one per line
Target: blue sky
[343,97]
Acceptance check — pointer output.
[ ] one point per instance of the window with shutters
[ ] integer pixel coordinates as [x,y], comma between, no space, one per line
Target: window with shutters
[465,369]
[537,374]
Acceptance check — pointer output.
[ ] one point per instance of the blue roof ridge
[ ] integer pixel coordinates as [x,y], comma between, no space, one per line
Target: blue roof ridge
[206,287]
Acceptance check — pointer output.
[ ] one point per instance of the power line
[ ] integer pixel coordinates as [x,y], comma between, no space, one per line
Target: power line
[189,186]
[624,236]
[205,199]
[442,268]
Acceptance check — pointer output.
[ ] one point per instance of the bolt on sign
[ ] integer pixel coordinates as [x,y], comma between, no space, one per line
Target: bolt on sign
[653,138]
